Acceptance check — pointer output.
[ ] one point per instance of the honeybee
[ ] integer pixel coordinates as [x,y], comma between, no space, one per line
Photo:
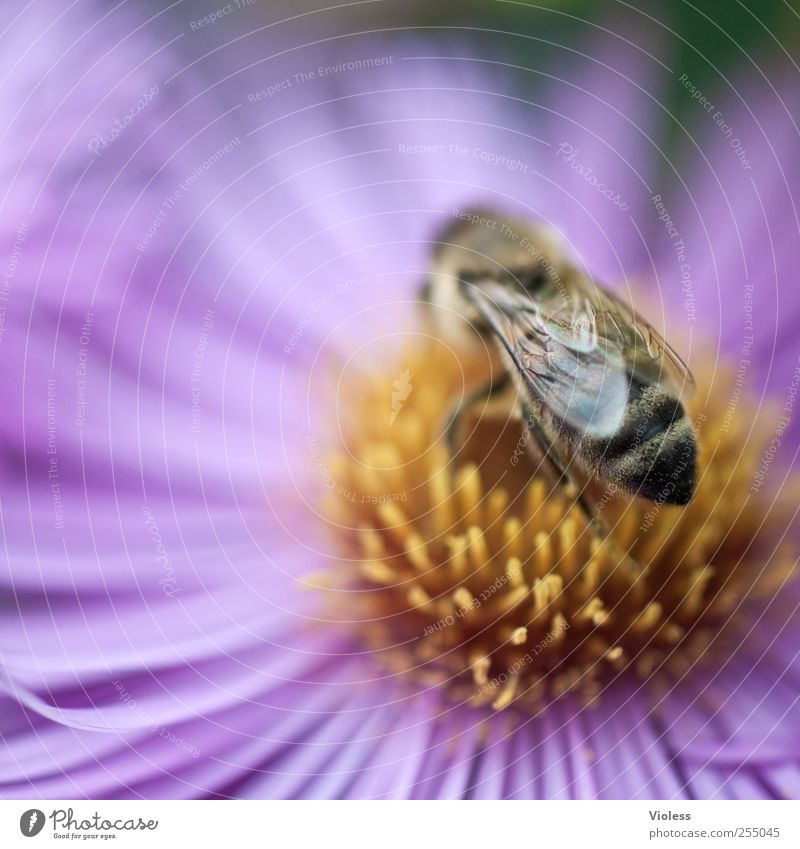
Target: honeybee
[598,390]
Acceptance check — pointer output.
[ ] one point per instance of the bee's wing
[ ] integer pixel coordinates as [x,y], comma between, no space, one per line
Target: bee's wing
[650,358]
[563,362]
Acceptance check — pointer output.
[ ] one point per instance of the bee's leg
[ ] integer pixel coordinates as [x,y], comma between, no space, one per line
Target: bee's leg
[481,395]
[433,319]
[425,308]
[562,473]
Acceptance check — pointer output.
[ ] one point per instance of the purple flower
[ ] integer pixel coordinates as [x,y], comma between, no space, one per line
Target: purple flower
[192,235]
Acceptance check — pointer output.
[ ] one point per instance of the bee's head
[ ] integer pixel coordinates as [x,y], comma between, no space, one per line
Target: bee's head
[481,245]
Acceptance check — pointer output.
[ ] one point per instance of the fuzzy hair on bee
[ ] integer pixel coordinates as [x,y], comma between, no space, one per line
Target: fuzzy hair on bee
[596,387]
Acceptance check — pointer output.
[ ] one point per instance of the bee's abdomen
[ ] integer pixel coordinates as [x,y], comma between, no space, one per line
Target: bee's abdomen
[655,453]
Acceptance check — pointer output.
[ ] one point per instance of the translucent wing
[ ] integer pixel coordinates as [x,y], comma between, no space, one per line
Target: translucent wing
[563,360]
[650,358]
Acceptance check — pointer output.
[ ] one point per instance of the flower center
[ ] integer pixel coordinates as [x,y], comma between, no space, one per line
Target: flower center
[473,572]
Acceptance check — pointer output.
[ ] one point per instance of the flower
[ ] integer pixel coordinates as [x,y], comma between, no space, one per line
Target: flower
[195,238]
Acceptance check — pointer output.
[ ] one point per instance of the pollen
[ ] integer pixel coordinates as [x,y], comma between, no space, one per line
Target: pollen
[471,571]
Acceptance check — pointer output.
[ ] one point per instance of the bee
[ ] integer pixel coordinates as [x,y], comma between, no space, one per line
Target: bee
[598,390]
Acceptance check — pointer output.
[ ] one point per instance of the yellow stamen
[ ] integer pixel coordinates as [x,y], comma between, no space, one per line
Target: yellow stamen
[484,576]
